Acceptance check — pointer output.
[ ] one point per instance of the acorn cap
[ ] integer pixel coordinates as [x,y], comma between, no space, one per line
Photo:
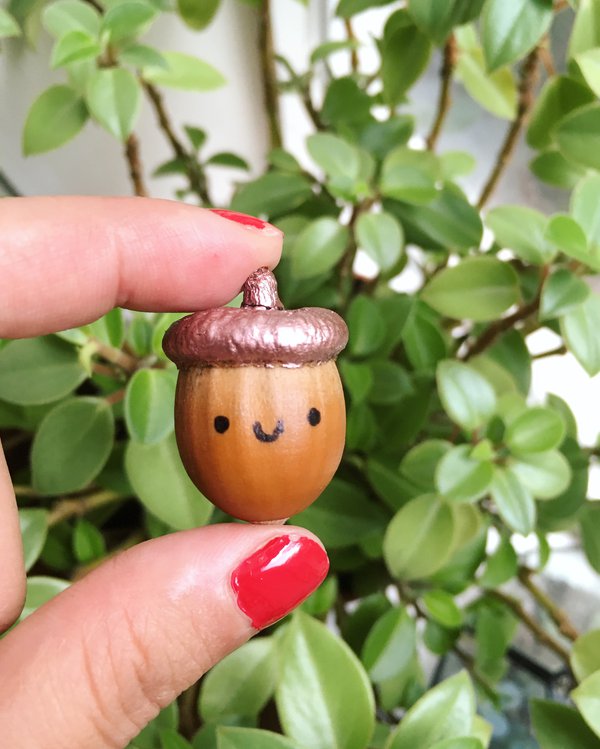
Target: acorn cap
[260,332]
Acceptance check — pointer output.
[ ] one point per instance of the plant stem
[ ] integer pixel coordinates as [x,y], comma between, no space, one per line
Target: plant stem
[445,98]
[194,174]
[132,154]
[559,617]
[353,52]
[490,334]
[67,508]
[9,187]
[115,397]
[527,82]
[558,351]
[469,663]
[116,356]
[269,73]
[541,635]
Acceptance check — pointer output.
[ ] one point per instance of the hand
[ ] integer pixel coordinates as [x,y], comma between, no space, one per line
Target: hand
[94,665]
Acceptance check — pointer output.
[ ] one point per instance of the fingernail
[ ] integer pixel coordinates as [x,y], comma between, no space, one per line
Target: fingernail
[250,222]
[277,577]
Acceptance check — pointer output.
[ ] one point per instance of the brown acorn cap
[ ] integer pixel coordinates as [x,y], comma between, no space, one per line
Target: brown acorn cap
[259,332]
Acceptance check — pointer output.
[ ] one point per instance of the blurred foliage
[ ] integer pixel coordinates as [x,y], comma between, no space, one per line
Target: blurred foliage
[447,458]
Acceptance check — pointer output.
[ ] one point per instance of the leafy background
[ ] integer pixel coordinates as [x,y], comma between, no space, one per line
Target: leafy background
[449,463]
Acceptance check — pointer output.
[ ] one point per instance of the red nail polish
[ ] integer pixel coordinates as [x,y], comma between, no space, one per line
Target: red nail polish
[241,218]
[275,579]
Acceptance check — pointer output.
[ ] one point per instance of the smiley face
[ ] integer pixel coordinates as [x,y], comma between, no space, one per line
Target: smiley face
[266,440]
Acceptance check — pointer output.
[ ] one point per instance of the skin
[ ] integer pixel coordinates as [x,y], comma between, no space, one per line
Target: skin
[102,658]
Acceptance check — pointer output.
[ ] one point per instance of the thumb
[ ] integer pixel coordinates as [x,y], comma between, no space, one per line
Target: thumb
[106,655]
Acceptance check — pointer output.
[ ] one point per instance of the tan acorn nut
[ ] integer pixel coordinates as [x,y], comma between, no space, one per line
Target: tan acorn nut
[259,410]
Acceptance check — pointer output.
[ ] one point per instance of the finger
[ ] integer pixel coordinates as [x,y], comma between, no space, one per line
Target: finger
[12,571]
[104,656]
[66,261]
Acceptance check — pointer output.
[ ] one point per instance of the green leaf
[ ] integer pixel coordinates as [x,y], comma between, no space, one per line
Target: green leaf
[110,328]
[587,698]
[231,737]
[8,25]
[381,237]
[424,342]
[272,194]
[76,45]
[438,18]
[511,30]
[456,164]
[198,15]
[405,52]
[557,725]
[545,474]
[318,248]
[335,156]
[185,72]
[39,591]
[325,50]
[568,236]
[225,158]
[534,431]
[410,175]
[589,65]
[56,116]
[114,97]
[444,712]
[88,542]
[34,529]
[72,445]
[240,684]
[449,221]
[552,167]
[349,8]
[496,92]
[460,478]
[442,608]
[391,383]
[559,97]
[357,378]
[390,645]
[379,138]
[501,566]
[514,503]
[172,739]
[522,230]
[463,742]
[478,288]
[562,292]
[586,210]
[419,464]
[585,655]
[342,515]
[322,678]
[366,326]
[586,29]
[578,136]
[580,332]
[467,397]
[129,18]
[141,56]
[416,540]
[34,371]
[63,16]
[164,488]
[590,532]
[149,403]
[346,103]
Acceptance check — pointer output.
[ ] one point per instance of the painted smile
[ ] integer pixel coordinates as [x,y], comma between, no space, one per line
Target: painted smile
[263,436]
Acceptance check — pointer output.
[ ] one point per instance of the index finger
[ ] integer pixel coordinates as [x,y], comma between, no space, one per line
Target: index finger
[65,261]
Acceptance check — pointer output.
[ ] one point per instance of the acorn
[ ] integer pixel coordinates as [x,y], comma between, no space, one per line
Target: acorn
[260,418]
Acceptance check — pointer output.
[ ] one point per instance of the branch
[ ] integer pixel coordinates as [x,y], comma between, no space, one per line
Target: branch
[269,73]
[527,82]
[490,334]
[558,616]
[445,99]
[471,666]
[116,356]
[541,635]
[67,508]
[353,52]
[558,351]
[132,154]
[8,187]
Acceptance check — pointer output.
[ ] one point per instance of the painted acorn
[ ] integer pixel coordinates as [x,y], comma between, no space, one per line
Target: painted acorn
[259,410]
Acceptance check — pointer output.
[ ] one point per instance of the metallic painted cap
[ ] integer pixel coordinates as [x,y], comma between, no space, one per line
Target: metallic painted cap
[259,332]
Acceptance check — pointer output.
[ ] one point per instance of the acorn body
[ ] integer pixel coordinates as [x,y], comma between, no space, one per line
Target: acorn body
[259,410]
[261,442]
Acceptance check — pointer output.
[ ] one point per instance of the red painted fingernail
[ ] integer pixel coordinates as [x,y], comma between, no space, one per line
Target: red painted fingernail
[245,219]
[275,579]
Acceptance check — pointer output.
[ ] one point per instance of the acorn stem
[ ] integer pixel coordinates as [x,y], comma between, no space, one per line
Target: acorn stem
[260,290]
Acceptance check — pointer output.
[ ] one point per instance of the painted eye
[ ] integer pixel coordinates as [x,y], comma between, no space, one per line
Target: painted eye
[221,424]
[314,417]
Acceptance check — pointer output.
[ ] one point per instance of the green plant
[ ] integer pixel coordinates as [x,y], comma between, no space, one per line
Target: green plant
[444,451]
